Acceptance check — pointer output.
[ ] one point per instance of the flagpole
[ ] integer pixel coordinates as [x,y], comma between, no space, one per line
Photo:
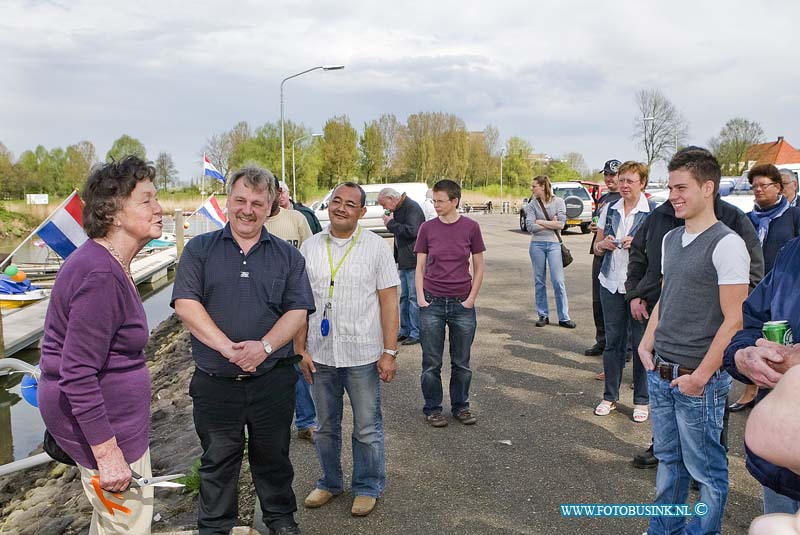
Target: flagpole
[203,178]
[42,224]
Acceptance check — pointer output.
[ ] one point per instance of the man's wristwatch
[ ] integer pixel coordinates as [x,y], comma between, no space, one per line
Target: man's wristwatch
[267,347]
[392,352]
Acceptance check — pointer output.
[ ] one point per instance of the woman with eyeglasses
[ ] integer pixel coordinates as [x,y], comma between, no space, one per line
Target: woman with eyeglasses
[776,222]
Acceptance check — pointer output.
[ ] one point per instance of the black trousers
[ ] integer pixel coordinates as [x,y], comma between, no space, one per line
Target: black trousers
[597,308]
[223,409]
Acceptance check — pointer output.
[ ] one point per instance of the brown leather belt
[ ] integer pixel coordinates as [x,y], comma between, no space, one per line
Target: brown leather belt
[669,371]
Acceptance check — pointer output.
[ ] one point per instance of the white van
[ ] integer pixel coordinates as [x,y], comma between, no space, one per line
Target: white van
[373,219]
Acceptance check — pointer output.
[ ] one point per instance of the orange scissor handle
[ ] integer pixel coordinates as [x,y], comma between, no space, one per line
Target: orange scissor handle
[105,501]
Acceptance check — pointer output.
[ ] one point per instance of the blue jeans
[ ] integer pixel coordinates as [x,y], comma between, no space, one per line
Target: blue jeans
[461,322]
[778,503]
[686,441]
[409,311]
[363,388]
[543,253]
[304,414]
[618,323]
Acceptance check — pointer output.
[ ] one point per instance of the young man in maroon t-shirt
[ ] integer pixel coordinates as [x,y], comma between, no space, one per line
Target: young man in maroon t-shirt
[446,295]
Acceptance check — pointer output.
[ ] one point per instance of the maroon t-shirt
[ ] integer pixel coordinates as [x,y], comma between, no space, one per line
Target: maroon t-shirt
[449,246]
[95,384]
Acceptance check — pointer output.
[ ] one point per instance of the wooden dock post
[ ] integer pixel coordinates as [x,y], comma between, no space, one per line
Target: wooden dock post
[179,238]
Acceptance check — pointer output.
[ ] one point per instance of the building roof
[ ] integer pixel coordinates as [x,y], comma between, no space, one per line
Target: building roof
[777,153]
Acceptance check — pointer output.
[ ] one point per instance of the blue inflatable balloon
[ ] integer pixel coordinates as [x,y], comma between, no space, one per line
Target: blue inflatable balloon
[30,388]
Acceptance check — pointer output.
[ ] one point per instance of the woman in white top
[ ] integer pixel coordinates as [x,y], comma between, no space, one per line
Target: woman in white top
[616,228]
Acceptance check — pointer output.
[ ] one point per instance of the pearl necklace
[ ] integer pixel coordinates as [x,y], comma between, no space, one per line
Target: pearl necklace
[116,255]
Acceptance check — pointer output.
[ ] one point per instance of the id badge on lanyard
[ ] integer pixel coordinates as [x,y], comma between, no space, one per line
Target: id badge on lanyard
[325,324]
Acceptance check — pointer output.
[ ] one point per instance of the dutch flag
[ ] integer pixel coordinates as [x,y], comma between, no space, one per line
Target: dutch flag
[63,232]
[210,170]
[211,210]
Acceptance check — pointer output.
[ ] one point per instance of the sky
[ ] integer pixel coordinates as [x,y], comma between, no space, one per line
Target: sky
[560,74]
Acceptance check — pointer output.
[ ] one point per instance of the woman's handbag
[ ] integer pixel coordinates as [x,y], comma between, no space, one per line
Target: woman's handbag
[566,255]
[52,449]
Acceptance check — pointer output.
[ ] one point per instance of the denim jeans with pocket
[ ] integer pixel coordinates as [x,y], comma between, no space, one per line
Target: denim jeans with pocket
[446,313]
[686,441]
[409,310]
[544,253]
[363,388]
[304,414]
[620,327]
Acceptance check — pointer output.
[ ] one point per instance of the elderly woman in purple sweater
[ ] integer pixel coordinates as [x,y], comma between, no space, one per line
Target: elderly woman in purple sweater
[94,391]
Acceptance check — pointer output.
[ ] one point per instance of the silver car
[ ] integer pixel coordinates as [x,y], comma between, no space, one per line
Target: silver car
[579,204]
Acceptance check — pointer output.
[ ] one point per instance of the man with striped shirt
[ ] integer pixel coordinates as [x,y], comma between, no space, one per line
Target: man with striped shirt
[348,345]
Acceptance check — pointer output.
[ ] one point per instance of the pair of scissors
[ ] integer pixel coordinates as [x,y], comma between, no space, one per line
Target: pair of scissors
[159,481]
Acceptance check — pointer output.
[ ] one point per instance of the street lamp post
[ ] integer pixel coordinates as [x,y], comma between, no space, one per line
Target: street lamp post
[283,150]
[294,179]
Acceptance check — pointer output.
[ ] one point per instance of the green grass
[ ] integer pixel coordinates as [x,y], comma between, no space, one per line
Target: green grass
[191,480]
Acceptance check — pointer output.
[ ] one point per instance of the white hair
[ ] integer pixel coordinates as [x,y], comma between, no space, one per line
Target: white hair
[389,193]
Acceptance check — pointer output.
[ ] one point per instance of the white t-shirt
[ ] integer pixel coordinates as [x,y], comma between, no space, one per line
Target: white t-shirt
[730,258]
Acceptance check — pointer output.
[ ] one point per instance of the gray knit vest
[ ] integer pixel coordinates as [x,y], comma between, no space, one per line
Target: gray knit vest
[689,313]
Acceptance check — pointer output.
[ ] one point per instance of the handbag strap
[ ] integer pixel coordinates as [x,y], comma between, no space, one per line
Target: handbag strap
[547,216]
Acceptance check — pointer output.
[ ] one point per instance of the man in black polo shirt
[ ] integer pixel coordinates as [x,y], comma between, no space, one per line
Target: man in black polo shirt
[243,295]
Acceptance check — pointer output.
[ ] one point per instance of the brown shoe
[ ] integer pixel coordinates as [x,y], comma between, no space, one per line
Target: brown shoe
[306,434]
[437,419]
[317,498]
[363,505]
[466,417]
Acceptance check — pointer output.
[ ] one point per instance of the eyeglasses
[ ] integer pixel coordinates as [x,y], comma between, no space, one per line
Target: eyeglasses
[763,186]
[629,181]
[350,205]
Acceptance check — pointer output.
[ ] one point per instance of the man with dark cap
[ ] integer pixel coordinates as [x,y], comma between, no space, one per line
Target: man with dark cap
[610,171]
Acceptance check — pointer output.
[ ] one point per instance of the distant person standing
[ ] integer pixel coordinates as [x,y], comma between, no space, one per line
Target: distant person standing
[446,294]
[403,222]
[427,206]
[789,181]
[610,174]
[287,203]
[545,216]
[288,224]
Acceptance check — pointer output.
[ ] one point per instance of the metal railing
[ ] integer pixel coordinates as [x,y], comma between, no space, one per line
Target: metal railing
[10,366]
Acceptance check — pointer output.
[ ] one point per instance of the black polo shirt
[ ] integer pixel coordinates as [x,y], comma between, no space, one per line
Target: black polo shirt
[245,295]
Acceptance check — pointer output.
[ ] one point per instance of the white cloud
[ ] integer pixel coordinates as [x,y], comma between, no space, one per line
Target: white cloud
[560,74]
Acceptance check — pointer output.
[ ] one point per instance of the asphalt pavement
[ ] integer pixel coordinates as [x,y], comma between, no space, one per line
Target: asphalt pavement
[537,443]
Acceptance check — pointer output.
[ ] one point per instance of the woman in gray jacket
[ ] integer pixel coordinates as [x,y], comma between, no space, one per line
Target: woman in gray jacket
[545,216]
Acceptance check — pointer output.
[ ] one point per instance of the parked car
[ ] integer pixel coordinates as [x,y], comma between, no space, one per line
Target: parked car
[373,219]
[578,201]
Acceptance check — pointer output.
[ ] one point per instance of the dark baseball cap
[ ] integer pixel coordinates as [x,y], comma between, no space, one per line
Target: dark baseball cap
[611,167]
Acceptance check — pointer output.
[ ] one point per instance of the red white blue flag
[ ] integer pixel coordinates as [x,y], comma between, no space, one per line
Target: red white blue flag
[63,232]
[211,210]
[210,170]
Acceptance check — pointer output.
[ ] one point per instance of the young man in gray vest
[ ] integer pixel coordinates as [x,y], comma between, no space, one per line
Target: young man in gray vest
[706,273]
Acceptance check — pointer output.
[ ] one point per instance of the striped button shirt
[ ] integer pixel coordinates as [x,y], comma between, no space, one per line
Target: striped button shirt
[356,336]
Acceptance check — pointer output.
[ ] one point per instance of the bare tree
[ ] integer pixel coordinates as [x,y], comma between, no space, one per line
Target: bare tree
[730,146]
[166,173]
[220,147]
[659,127]
[391,132]
[575,161]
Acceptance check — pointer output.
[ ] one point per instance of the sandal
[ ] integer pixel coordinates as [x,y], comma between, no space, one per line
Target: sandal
[604,408]
[640,413]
